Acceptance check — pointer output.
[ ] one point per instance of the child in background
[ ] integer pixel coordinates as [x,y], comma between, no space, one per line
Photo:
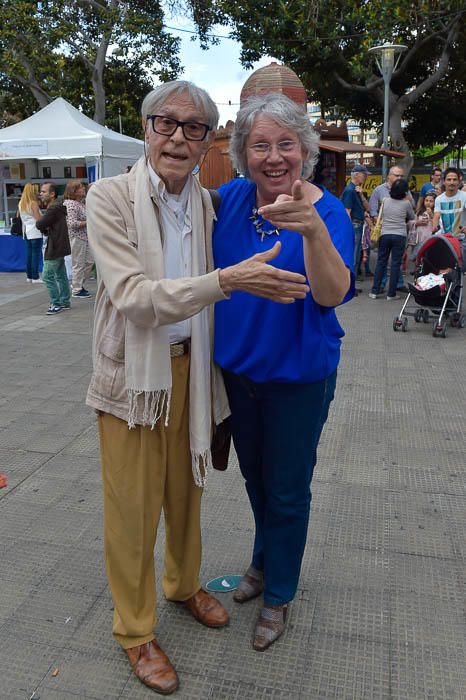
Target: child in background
[423,226]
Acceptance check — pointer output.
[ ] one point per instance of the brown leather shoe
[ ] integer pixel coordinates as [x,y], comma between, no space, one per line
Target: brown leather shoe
[207,609]
[153,668]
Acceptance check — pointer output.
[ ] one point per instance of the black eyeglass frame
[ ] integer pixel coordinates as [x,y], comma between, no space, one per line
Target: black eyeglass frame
[153,117]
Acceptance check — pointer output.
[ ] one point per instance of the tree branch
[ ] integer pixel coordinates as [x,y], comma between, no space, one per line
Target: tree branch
[368,87]
[93,3]
[42,97]
[419,43]
[436,156]
[434,78]
[80,52]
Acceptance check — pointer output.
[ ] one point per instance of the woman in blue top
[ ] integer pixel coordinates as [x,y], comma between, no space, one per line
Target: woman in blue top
[279,361]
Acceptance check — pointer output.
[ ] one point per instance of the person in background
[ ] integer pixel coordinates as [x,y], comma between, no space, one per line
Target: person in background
[53,225]
[81,256]
[450,210]
[154,385]
[423,226]
[380,193]
[397,211]
[434,185]
[356,206]
[3,481]
[30,213]
[279,362]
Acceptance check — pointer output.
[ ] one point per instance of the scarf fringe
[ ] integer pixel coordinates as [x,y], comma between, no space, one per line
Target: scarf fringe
[198,459]
[154,404]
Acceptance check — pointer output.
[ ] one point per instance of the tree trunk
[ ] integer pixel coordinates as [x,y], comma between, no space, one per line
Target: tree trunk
[98,79]
[99,96]
[398,141]
[39,95]
[31,83]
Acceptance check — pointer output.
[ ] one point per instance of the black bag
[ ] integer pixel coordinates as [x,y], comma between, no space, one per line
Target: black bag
[220,447]
[16,226]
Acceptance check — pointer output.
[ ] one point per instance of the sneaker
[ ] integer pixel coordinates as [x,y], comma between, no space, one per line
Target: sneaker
[373,296]
[53,310]
[82,294]
[393,298]
[65,307]
[28,279]
[37,281]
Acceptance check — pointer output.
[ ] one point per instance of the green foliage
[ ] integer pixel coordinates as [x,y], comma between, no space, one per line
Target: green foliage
[327,45]
[55,47]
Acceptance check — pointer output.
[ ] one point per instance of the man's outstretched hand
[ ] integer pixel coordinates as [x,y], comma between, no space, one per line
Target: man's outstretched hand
[255,276]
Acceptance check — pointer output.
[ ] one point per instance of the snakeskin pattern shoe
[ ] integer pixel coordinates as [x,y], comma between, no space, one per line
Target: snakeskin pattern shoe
[270,626]
[250,586]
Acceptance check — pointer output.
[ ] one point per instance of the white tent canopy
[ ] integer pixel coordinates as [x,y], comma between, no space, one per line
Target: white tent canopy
[59,131]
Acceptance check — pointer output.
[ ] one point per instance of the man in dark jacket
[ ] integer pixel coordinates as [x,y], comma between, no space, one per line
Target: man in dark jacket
[53,225]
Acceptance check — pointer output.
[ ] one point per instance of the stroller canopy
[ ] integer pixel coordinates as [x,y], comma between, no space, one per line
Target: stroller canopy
[441,251]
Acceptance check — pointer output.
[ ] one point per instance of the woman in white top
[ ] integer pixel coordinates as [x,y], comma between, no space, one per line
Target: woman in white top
[30,213]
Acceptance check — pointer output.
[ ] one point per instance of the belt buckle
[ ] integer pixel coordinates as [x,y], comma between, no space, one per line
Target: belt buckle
[179,349]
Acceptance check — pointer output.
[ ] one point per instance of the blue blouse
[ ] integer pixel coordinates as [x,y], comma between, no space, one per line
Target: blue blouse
[266,341]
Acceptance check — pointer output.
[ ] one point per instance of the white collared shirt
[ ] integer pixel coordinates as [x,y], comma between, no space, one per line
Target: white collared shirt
[175,220]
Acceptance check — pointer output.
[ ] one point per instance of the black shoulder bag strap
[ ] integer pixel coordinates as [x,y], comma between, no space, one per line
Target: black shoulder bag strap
[216,199]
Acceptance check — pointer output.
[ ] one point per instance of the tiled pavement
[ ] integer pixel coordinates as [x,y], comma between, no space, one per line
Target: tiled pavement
[380,611]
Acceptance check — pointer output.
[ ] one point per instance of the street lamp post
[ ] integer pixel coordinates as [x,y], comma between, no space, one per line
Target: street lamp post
[387,57]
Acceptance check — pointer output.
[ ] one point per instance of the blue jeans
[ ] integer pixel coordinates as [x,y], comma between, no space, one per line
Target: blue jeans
[389,243]
[56,280]
[276,430]
[33,251]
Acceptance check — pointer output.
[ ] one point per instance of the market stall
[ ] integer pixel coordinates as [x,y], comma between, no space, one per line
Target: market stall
[59,143]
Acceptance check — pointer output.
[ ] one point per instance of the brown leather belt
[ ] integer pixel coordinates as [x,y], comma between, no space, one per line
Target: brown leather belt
[179,349]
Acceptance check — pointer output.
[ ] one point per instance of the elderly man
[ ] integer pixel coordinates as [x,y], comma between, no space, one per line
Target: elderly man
[154,387]
[375,202]
[356,206]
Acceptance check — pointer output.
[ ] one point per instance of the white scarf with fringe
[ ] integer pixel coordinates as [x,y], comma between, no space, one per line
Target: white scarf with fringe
[147,350]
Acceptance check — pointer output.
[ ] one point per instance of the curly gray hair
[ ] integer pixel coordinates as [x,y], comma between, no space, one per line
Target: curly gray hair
[199,97]
[283,111]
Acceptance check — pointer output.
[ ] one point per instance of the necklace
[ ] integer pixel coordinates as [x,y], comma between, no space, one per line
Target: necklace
[257,222]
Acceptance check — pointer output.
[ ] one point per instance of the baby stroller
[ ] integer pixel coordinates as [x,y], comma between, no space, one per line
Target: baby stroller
[437,288]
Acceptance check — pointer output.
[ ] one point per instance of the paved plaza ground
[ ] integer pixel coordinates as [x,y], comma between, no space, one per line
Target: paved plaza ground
[380,611]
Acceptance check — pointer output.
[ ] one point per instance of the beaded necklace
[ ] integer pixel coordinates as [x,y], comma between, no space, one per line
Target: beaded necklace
[257,222]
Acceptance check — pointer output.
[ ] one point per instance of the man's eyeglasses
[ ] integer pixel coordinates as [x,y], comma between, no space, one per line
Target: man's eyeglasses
[282,147]
[166,126]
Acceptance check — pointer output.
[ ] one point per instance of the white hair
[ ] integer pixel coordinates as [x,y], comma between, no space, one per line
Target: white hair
[199,97]
[286,113]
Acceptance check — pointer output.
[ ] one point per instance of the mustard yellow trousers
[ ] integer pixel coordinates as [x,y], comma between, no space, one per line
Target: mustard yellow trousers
[144,472]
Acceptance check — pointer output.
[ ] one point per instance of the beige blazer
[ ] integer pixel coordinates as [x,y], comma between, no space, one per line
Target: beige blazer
[125,292]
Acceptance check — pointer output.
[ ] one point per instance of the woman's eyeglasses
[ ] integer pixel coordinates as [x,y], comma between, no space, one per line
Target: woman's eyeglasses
[166,126]
[282,147]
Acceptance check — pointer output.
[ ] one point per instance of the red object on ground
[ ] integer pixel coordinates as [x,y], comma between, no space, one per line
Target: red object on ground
[3,481]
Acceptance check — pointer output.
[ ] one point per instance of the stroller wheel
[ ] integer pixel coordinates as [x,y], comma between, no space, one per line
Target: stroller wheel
[439,331]
[425,316]
[461,321]
[396,324]
[404,325]
[418,316]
